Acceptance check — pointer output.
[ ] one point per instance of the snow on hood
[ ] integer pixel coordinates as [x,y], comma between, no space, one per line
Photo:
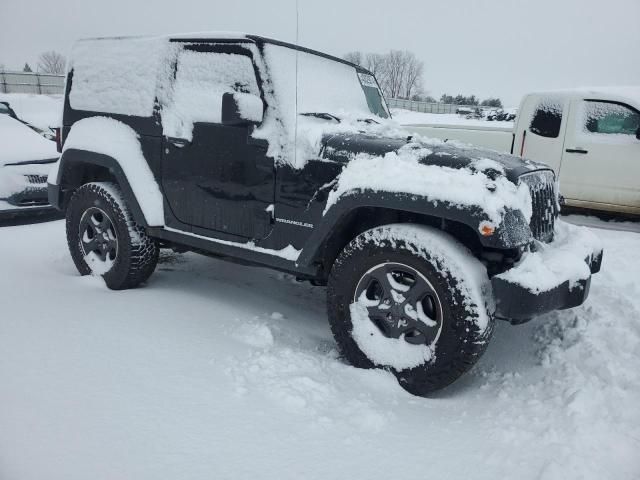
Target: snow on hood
[21,144]
[402,171]
[312,133]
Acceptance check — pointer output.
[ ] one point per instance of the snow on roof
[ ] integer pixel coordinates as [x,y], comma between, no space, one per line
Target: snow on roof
[210,34]
[628,94]
[116,75]
[224,35]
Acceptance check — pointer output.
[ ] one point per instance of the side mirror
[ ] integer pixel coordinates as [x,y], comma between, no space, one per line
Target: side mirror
[638,133]
[241,109]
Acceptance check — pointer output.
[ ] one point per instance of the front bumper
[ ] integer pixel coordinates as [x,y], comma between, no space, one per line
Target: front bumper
[54,195]
[23,187]
[556,276]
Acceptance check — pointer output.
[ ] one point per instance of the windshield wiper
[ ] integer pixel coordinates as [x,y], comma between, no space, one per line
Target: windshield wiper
[368,120]
[323,115]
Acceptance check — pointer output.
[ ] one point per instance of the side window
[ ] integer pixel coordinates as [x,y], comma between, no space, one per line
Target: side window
[547,119]
[201,78]
[609,118]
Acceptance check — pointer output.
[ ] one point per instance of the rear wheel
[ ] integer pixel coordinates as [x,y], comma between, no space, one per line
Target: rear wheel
[104,239]
[410,299]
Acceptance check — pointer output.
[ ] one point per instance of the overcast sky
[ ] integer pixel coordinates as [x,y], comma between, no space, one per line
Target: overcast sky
[488,48]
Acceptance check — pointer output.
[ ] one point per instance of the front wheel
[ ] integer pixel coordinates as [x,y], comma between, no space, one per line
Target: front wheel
[413,300]
[104,239]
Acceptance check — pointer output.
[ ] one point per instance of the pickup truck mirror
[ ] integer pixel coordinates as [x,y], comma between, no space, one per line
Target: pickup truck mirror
[241,109]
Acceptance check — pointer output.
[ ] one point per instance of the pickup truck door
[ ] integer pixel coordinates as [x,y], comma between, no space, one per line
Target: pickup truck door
[540,129]
[601,158]
[216,178]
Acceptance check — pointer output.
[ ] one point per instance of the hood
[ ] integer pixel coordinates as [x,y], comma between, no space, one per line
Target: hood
[345,147]
[20,144]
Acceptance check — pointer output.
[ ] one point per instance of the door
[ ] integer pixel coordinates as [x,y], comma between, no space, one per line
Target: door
[601,159]
[216,178]
[540,138]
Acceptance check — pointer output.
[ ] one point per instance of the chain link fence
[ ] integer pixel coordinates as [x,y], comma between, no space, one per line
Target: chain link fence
[427,107]
[38,83]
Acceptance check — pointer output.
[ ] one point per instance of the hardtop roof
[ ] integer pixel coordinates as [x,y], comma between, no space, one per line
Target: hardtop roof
[229,36]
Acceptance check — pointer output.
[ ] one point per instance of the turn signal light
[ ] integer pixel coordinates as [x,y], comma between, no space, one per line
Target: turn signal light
[487,229]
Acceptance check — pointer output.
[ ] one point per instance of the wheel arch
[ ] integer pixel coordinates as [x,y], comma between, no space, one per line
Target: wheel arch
[78,167]
[362,218]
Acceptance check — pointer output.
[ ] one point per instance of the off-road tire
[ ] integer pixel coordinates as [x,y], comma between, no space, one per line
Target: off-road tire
[461,341]
[137,253]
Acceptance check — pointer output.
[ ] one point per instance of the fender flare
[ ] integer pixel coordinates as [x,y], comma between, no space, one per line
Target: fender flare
[70,174]
[512,232]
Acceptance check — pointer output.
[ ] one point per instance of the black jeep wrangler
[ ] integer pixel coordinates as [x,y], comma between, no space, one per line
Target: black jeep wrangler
[267,153]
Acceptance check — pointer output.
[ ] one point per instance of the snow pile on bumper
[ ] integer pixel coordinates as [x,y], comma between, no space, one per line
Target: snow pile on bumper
[555,276]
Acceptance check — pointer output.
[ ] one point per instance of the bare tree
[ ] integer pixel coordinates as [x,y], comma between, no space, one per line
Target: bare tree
[413,75]
[376,64]
[51,62]
[396,66]
[399,72]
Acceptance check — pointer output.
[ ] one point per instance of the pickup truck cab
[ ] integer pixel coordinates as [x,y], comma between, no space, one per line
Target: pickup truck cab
[590,137]
[267,153]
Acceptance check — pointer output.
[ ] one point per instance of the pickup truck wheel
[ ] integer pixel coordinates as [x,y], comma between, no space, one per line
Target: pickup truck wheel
[104,239]
[410,299]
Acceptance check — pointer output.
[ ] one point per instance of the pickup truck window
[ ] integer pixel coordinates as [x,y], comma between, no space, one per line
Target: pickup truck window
[547,119]
[610,118]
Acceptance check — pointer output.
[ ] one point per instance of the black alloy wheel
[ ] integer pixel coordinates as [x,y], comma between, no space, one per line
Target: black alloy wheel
[98,236]
[402,303]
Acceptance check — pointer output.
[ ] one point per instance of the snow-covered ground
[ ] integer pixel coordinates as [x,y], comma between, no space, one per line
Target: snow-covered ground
[407,117]
[214,370]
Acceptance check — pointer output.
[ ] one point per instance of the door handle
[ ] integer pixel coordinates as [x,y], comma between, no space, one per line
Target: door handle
[178,142]
[576,150]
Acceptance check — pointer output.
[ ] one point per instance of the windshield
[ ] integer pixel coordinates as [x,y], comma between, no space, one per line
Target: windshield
[311,96]
[328,86]
[374,97]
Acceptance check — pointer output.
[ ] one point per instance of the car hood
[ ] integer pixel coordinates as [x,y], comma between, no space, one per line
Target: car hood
[19,144]
[344,147]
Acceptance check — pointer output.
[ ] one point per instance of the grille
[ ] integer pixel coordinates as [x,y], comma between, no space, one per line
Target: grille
[544,202]
[36,179]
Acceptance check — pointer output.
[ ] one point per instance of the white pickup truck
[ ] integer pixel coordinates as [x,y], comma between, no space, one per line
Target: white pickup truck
[590,137]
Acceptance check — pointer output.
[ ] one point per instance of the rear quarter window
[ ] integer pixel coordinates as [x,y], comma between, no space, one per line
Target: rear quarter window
[547,118]
[609,118]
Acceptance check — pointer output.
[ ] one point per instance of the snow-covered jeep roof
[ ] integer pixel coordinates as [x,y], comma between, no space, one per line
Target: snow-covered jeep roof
[120,74]
[211,36]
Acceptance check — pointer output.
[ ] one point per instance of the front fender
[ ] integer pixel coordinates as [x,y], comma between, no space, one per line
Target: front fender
[513,231]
